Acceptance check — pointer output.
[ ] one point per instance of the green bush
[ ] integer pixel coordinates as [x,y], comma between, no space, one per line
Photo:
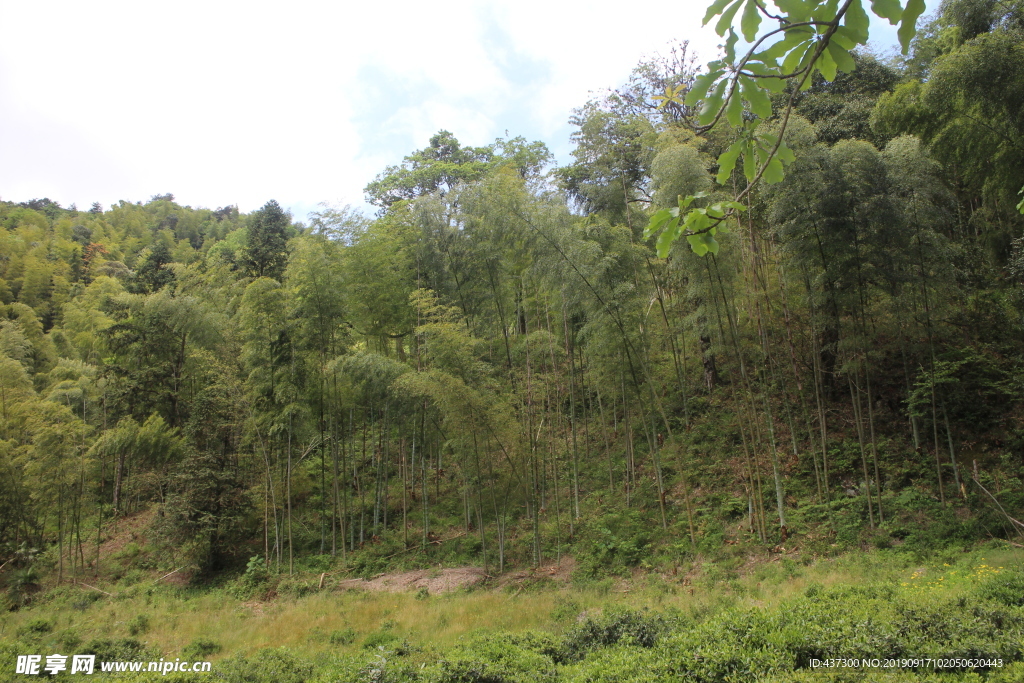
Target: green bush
[253,581]
[345,636]
[614,541]
[35,628]
[626,627]
[22,585]
[740,644]
[296,586]
[381,639]
[504,658]
[69,639]
[265,666]
[138,624]
[113,650]
[565,610]
[1006,588]
[200,648]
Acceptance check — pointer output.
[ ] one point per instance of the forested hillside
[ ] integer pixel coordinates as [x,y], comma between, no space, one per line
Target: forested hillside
[498,368]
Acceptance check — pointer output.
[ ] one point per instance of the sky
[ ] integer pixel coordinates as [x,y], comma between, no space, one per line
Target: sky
[223,102]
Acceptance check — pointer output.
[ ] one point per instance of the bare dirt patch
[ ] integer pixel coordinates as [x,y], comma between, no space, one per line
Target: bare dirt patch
[438,581]
[559,572]
[125,530]
[256,606]
[434,580]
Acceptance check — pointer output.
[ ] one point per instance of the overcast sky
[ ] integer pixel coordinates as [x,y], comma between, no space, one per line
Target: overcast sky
[241,102]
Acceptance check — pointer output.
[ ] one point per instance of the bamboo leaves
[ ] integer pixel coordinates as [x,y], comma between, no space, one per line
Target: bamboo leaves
[810,36]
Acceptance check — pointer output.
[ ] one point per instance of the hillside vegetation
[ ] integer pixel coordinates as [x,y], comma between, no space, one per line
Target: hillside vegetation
[499,371]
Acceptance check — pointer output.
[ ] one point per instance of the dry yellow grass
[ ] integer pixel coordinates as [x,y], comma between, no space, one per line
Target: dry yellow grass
[305,624]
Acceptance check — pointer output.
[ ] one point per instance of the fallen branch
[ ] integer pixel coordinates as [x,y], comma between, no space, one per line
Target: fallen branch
[1005,514]
[167,574]
[94,588]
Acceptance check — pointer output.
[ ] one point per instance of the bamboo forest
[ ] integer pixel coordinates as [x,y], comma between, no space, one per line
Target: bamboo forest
[735,390]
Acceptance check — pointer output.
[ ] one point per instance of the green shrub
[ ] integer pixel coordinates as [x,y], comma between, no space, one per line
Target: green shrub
[381,639]
[296,587]
[626,627]
[613,541]
[86,600]
[22,585]
[200,648]
[619,664]
[35,628]
[1006,588]
[112,650]
[265,666]
[565,610]
[504,658]
[345,636]
[132,577]
[138,624]
[69,639]
[253,581]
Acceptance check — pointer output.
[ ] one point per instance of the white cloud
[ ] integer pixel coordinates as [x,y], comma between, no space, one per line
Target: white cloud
[239,102]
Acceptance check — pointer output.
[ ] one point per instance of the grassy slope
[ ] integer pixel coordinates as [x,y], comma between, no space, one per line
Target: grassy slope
[317,626]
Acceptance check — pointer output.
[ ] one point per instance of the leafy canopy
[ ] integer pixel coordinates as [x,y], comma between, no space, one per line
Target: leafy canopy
[808,37]
[445,163]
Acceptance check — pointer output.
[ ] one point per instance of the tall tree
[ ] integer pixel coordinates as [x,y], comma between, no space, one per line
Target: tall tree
[266,250]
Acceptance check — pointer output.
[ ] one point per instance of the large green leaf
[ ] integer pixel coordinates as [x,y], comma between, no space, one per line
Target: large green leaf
[888,9]
[759,101]
[908,23]
[715,7]
[796,10]
[657,220]
[773,171]
[725,23]
[730,46]
[686,201]
[758,68]
[734,109]
[790,40]
[827,66]
[847,38]
[700,87]
[843,58]
[827,11]
[712,104]
[797,56]
[665,240]
[856,21]
[702,244]
[727,162]
[749,163]
[750,21]
[785,153]
[775,85]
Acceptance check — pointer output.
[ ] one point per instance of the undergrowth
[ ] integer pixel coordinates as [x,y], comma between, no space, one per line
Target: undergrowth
[766,621]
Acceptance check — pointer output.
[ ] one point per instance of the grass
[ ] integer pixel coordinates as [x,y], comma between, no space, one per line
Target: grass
[176,618]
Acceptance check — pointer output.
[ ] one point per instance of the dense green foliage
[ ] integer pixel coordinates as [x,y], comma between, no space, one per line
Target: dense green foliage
[502,369]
